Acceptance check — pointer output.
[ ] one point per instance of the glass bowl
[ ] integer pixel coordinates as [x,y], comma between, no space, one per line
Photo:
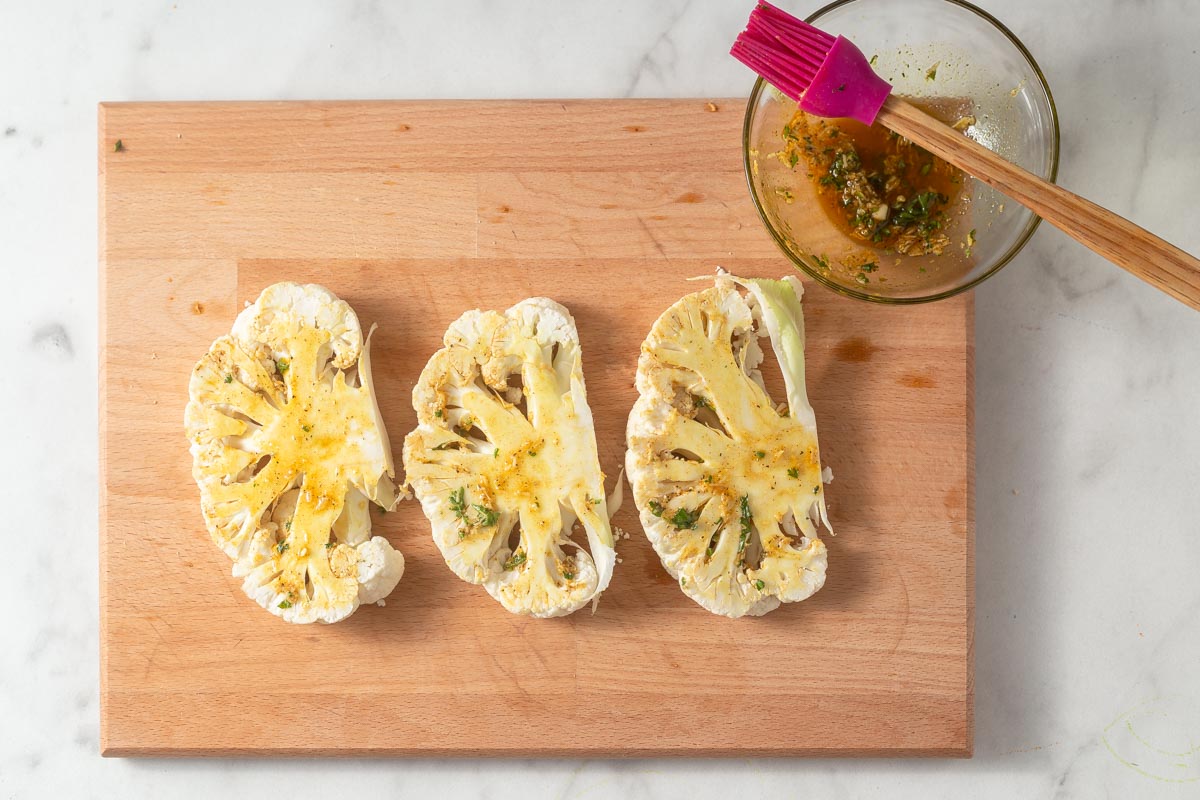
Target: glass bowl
[943,53]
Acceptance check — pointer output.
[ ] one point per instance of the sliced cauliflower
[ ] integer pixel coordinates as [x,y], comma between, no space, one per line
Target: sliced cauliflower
[504,460]
[289,450]
[728,485]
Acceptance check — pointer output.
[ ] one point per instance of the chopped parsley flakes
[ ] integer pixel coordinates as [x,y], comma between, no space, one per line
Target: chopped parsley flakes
[685,519]
[484,517]
[746,520]
[487,517]
[458,503]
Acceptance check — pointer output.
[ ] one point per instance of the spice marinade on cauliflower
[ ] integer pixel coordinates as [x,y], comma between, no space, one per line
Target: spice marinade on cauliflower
[728,484]
[504,460]
[289,450]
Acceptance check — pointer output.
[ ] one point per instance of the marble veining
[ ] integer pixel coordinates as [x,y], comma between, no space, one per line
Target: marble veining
[52,338]
[1087,641]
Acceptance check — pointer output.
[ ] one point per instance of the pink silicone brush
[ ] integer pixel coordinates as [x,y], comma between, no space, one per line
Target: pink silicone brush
[829,77]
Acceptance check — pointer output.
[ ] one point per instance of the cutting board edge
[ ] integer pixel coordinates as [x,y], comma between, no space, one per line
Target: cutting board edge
[969,340]
[966,751]
[102,421]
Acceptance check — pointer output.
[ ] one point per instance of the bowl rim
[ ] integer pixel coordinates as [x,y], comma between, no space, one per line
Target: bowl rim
[760,85]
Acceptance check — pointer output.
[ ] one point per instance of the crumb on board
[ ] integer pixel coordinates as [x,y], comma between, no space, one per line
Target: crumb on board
[711,106]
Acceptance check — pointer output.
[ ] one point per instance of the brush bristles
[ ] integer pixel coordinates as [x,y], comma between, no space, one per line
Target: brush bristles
[785,51]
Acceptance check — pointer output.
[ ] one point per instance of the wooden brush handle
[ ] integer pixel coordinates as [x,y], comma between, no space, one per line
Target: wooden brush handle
[1130,247]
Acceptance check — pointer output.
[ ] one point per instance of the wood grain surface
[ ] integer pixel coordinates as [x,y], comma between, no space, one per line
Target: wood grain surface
[414,212]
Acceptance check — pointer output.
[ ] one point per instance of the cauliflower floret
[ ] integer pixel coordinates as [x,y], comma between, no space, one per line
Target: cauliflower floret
[288,450]
[504,460]
[728,485]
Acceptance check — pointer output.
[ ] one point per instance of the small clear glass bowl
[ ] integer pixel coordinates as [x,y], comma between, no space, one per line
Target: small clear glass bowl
[940,51]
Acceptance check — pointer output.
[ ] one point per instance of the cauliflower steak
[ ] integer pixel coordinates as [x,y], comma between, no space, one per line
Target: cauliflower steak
[288,450]
[504,460]
[727,484]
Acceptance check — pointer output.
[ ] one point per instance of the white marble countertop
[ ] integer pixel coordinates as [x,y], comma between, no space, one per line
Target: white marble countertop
[1088,506]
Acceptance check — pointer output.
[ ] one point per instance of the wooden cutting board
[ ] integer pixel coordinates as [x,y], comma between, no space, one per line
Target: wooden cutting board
[414,212]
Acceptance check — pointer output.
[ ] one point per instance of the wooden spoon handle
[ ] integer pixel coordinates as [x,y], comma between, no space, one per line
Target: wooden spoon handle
[1130,247]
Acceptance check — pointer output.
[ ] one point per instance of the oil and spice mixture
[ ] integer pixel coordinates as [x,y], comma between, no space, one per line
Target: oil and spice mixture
[877,186]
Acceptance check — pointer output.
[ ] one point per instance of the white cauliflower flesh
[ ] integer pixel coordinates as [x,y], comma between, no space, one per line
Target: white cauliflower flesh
[504,460]
[728,484]
[289,450]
